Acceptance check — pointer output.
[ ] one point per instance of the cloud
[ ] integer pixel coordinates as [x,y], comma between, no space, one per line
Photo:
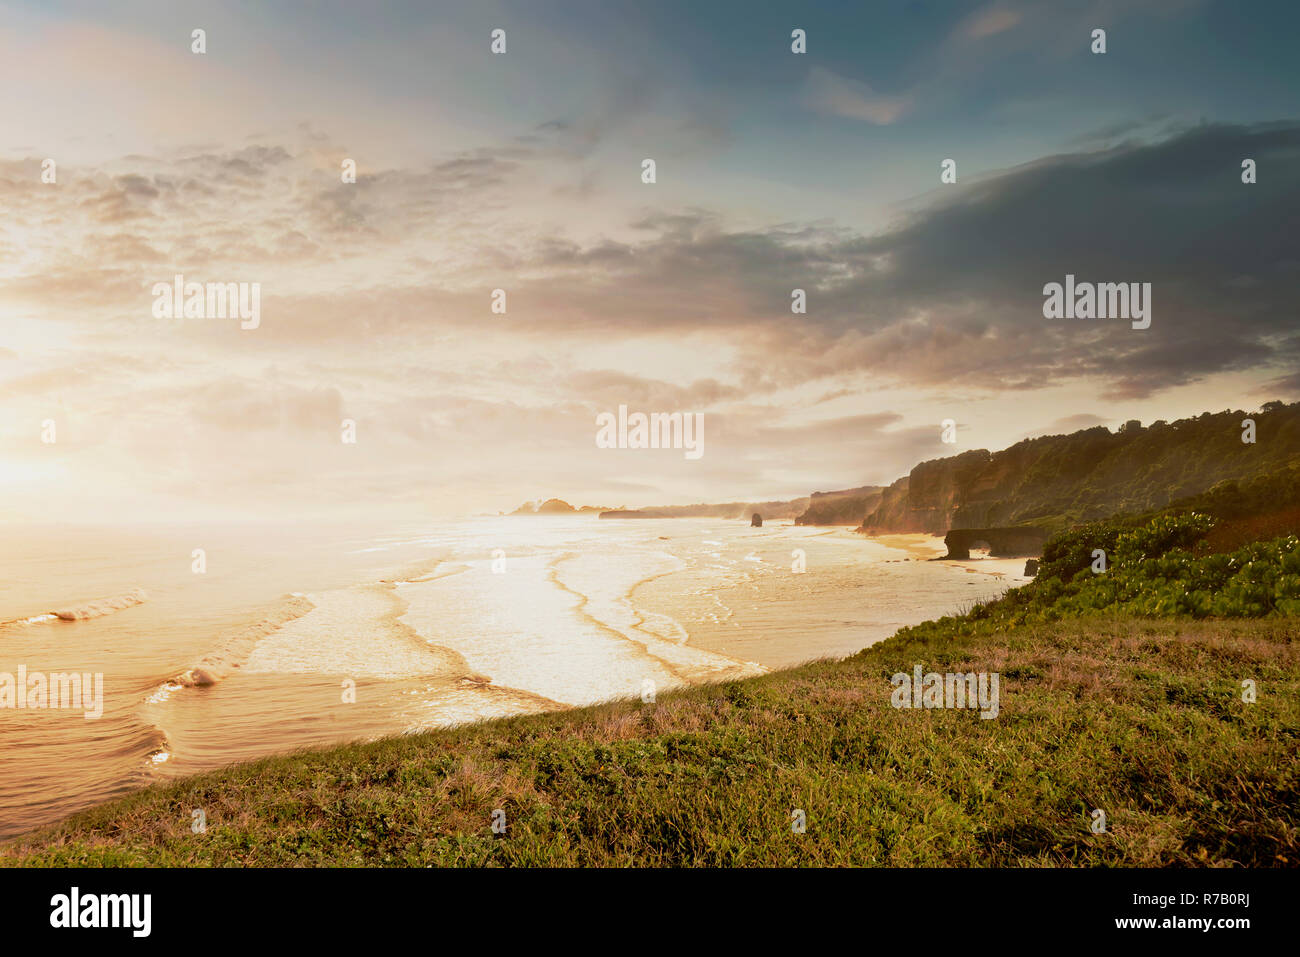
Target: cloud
[1287,385]
[375,307]
[1174,214]
[827,93]
[990,21]
[1069,423]
[951,294]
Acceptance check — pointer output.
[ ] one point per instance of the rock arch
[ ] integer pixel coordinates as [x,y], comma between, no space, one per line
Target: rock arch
[1019,542]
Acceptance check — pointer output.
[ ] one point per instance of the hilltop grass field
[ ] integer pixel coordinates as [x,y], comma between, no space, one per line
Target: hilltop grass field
[1125,693]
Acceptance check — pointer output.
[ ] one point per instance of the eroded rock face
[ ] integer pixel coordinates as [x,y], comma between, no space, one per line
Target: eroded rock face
[756,521]
[846,507]
[1018,542]
[1031,568]
[895,512]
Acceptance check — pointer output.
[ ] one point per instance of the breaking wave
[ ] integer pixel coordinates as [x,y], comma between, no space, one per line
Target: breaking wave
[235,648]
[91,609]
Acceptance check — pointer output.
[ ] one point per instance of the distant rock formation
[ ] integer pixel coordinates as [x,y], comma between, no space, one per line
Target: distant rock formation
[1031,568]
[728,510]
[756,521]
[554,506]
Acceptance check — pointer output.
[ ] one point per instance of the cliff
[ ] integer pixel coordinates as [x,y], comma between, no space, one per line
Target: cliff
[846,507]
[1050,482]
[1059,480]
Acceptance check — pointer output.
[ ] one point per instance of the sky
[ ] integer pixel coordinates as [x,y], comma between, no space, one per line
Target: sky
[522,171]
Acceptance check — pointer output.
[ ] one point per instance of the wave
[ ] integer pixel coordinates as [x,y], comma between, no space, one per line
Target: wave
[659,637]
[91,609]
[101,607]
[235,648]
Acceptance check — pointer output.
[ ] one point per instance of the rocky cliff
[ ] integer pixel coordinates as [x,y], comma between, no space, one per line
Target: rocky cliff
[846,507]
[1057,480]
[1049,482]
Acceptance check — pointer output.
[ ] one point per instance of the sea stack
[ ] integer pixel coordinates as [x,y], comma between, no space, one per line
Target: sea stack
[756,521]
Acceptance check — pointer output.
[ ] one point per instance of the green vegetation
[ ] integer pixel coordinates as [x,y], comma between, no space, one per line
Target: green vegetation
[1116,693]
[1058,481]
[1152,570]
[1095,473]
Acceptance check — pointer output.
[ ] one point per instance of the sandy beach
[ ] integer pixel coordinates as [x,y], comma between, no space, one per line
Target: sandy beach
[434,632]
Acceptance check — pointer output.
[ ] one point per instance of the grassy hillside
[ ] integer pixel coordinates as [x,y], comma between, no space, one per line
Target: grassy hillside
[1057,481]
[1106,704]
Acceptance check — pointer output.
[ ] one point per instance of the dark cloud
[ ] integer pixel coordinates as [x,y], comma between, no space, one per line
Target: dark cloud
[1287,386]
[1223,259]
[954,292]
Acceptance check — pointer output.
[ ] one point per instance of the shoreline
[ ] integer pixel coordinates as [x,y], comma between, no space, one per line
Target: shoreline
[921,546]
[603,785]
[754,617]
[688,778]
[927,547]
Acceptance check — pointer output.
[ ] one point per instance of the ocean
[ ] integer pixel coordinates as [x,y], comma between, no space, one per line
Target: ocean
[283,637]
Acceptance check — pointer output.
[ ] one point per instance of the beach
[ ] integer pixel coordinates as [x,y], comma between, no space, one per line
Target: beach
[313,636]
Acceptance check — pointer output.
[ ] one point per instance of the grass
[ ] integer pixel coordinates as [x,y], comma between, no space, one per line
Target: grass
[1141,718]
